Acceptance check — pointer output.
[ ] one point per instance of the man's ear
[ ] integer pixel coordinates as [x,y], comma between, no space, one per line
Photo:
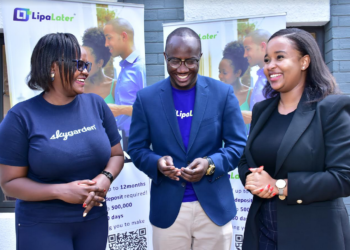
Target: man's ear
[124,35]
[263,46]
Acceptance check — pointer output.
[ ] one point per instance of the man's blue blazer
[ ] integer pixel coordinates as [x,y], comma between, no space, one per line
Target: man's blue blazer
[154,133]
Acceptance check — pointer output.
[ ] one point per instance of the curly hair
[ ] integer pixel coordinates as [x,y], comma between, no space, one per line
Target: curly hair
[319,81]
[94,38]
[234,51]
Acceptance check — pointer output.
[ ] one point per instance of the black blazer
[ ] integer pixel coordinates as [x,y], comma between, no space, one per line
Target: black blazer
[314,156]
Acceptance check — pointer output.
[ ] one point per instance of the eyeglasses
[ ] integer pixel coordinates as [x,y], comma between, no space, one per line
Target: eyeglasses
[81,65]
[176,62]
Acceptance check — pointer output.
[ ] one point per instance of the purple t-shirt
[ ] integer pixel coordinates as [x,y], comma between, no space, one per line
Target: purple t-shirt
[184,104]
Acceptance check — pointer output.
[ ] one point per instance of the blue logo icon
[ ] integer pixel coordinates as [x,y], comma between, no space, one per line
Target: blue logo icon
[21,14]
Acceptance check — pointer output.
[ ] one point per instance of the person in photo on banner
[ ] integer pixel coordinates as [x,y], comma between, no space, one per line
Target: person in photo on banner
[300,138]
[98,55]
[59,153]
[232,66]
[120,40]
[255,50]
[186,118]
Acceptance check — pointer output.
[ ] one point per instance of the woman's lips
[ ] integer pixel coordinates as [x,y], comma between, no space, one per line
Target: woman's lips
[275,77]
[80,81]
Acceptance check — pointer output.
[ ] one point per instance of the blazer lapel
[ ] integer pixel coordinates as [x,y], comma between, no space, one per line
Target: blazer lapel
[266,112]
[301,120]
[200,106]
[166,98]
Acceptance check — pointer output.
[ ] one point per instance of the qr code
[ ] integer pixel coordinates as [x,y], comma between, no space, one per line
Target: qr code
[238,241]
[134,240]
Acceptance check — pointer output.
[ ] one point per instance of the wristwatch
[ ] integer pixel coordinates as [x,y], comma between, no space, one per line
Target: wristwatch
[211,167]
[108,175]
[281,184]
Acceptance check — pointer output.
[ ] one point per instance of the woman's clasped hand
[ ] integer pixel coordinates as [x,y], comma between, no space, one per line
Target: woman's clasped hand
[260,183]
[85,192]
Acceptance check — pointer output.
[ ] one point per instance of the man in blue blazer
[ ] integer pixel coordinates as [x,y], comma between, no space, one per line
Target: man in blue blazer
[177,131]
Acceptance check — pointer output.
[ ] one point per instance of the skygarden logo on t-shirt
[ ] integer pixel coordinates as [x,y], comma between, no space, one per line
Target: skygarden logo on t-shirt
[183,115]
[65,135]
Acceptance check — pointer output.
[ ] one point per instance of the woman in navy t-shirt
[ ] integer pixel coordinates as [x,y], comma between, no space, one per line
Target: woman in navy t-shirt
[59,153]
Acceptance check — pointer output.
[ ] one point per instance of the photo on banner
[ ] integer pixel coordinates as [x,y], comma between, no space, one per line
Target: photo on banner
[117,74]
[233,52]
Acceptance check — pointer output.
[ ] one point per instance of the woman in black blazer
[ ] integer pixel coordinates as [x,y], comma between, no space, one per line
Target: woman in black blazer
[297,159]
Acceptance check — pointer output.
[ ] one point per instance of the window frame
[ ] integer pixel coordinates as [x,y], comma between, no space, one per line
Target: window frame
[320,39]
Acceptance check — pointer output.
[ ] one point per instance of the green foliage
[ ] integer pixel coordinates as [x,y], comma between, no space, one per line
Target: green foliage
[244,28]
[104,14]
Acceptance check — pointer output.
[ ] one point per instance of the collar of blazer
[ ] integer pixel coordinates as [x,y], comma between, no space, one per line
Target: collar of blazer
[200,106]
[300,122]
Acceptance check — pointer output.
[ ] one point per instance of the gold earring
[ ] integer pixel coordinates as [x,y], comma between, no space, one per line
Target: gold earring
[52,76]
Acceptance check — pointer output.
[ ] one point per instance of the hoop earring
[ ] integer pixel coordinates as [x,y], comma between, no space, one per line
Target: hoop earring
[52,76]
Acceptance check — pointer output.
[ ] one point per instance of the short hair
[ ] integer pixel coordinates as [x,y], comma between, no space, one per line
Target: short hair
[120,24]
[234,51]
[319,81]
[258,36]
[94,38]
[183,32]
[60,48]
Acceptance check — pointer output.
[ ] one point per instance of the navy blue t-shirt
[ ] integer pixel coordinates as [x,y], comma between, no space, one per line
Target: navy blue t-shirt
[58,144]
[184,105]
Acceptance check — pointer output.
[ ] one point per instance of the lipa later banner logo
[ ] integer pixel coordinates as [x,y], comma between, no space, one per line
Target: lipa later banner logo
[23,15]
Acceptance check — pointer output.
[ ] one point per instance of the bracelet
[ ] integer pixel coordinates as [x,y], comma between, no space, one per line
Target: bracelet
[108,175]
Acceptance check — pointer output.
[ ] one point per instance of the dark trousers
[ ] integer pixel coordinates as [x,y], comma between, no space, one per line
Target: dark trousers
[85,235]
[268,228]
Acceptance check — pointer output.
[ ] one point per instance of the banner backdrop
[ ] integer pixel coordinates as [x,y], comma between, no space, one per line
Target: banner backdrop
[227,40]
[25,22]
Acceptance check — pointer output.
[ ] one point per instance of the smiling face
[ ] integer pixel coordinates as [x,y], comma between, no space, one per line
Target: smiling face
[226,72]
[254,52]
[114,41]
[77,86]
[183,48]
[285,67]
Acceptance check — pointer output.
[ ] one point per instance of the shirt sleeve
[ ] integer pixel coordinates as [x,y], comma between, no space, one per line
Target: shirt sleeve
[110,125]
[14,141]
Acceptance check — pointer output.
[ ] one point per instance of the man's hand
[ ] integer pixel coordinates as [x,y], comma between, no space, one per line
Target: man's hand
[167,168]
[195,171]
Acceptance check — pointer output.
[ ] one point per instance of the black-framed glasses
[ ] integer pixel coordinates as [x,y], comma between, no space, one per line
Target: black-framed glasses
[81,65]
[176,62]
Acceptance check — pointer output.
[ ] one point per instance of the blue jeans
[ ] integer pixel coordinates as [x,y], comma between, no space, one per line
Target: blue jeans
[84,235]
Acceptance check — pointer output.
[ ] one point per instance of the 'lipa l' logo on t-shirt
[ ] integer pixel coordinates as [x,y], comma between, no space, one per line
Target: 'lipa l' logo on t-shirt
[65,135]
[184,115]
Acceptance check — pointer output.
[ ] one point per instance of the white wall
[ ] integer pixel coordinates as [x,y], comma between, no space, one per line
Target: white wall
[299,12]
[7,231]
